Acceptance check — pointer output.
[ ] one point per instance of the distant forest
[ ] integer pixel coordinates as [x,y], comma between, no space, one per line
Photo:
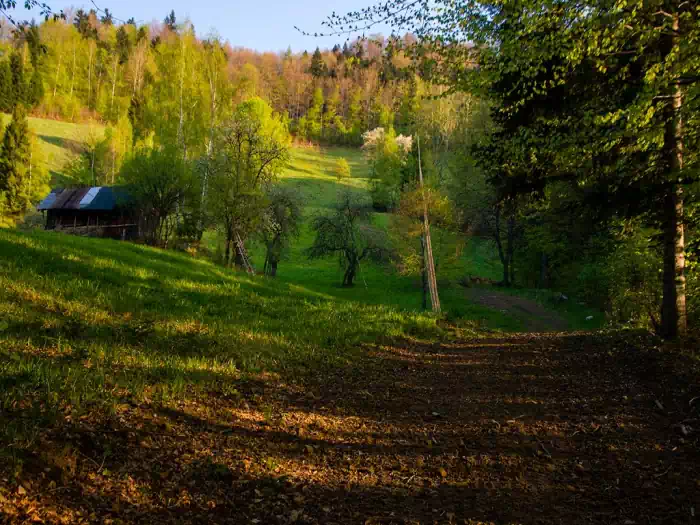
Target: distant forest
[163,75]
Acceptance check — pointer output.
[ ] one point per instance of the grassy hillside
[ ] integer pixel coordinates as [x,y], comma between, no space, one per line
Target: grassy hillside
[311,171]
[154,322]
[59,141]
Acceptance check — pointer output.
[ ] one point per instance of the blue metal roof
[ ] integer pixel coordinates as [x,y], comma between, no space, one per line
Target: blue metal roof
[97,198]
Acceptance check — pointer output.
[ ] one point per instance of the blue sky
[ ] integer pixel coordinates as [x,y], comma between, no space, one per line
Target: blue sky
[264,25]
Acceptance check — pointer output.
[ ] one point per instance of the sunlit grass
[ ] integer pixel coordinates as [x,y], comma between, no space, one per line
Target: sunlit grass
[59,141]
[89,322]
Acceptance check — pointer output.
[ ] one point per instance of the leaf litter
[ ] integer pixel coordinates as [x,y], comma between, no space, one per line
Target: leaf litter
[555,428]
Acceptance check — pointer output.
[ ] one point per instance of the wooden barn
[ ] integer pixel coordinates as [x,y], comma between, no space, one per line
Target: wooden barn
[96,211]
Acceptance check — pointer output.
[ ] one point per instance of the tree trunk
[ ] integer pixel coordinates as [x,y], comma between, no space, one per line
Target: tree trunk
[114,87]
[349,277]
[89,77]
[58,70]
[272,268]
[511,247]
[502,254]
[423,274]
[544,263]
[506,271]
[227,254]
[238,259]
[673,307]
[429,259]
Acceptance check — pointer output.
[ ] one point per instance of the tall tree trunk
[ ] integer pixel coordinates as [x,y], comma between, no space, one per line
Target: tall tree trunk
[506,272]
[511,247]
[423,274]
[89,76]
[544,263]
[429,260]
[502,254]
[272,268]
[673,307]
[181,122]
[72,84]
[227,253]
[114,87]
[58,70]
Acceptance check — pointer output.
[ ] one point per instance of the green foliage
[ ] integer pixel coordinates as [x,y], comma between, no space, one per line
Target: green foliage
[6,91]
[160,180]
[93,166]
[281,223]
[35,92]
[252,149]
[318,67]
[387,159]
[348,233]
[19,83]
[600,94]
[15,163]
[342,169]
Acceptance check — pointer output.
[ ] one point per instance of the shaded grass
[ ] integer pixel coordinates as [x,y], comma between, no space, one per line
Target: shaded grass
[579,317]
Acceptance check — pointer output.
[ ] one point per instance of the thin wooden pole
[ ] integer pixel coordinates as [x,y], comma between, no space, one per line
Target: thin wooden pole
[429,261]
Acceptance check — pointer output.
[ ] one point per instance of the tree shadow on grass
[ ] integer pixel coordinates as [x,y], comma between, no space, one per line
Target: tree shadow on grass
[74,146]
[324,454]
[558,428]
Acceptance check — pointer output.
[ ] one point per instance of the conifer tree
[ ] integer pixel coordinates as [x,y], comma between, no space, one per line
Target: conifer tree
[6,91]
[318,66]
[19,86]
[107,19]
[170,21]
[36,89]
[15,159]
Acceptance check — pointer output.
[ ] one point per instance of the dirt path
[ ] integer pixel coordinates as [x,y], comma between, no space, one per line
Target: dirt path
[541,429]
[535,317]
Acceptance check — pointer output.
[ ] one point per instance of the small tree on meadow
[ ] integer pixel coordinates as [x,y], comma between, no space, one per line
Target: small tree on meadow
[281,223]
[342,169]
[348,233]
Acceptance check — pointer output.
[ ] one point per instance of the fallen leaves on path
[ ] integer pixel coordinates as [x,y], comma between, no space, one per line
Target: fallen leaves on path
[522,429]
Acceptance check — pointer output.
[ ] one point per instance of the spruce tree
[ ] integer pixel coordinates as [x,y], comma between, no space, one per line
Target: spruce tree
[6,91]
[170,21]
[19,87]
[318,66]
[15,157]
[107,19]
[36,89]
[123,45]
